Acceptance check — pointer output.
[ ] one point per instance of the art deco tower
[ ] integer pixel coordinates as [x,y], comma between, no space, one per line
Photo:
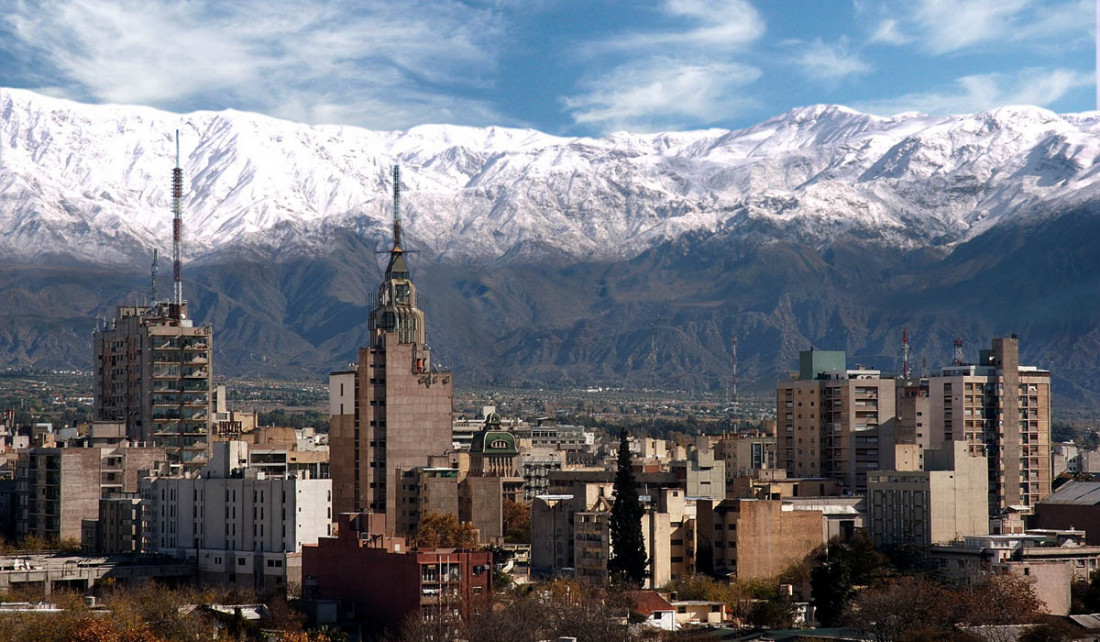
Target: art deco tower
[392,410]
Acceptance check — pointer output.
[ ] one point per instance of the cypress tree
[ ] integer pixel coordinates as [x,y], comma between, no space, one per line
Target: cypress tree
[628,559]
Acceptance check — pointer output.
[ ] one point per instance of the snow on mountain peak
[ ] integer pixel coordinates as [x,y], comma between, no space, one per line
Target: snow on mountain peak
[91,181]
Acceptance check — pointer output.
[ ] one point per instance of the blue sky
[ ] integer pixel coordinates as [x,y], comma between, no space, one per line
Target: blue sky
[571,67]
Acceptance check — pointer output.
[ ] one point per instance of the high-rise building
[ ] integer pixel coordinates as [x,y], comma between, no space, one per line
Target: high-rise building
[152,373]
[1000,409]
[827,419]
[152,364]
[392,410]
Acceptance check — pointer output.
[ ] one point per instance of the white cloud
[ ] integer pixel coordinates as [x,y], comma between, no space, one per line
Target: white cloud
[682,74]
[946,26]
[887,33]
[949,25]
[384,65]
[831,61]
[711,25]
[662,93]
[987,91]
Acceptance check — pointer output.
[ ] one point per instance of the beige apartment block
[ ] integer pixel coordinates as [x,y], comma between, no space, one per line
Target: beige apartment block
[945,502]
[827,419]
[1001,409]
[756,539]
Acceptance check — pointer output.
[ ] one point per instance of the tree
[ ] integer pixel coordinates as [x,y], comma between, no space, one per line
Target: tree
[443,530]
[628,560]
[839,569]
[517,522]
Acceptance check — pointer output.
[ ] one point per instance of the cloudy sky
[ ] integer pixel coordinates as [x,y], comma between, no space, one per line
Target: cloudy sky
[561,66]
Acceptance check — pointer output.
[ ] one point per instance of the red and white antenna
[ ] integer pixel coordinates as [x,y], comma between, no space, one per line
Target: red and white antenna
[177,230]
[959,359]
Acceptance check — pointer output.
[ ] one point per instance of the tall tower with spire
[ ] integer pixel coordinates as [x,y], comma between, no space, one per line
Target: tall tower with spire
[392,410]
[152,364]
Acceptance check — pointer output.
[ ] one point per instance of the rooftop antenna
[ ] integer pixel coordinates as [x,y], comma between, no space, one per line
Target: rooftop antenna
[906,368]
[396,207]
[153,273]
[177,231]
[959,359]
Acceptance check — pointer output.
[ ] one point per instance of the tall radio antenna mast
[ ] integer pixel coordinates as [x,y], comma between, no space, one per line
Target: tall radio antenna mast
[733,391]
[397,206]
[153,274]
[906,368]
[177,230]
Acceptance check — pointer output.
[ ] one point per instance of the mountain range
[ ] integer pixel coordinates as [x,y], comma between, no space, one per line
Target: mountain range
[546,260]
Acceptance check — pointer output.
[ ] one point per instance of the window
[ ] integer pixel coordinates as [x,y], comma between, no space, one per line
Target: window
[240,561]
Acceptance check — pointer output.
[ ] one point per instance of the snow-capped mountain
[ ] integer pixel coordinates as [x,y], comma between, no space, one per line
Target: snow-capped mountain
[91,182]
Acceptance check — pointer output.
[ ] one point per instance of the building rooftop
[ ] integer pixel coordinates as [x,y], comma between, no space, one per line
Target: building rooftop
[1076,493]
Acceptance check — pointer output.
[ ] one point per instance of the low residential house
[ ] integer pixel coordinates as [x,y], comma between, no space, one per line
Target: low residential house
[657,611]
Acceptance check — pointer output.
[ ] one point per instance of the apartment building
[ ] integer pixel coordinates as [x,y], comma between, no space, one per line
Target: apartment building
[235,523]
[1001,409]
[58,488]
[380,582]
[152,370]
[755,538]
[827,419]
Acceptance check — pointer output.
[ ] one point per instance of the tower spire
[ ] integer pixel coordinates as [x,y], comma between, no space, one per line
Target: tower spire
[397,208]
[177,231]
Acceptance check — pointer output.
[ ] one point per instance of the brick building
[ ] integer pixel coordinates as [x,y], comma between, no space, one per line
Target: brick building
[383,582]
[58,488]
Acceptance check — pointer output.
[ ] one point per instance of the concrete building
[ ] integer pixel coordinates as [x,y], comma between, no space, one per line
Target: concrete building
[535,471]
[744,454]
[152,369]
[547,435]
[393,410]
[244,528]
[1052,561]
[380,582]
[58,488]
[755,539]
[668,530]
[1002,409]
[826,419]
[944,502]
[701,474]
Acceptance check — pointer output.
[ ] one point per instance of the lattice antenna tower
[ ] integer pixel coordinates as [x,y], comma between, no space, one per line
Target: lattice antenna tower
[906,367]
[153,273]
[959,359]
[733,381]
[177,230]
